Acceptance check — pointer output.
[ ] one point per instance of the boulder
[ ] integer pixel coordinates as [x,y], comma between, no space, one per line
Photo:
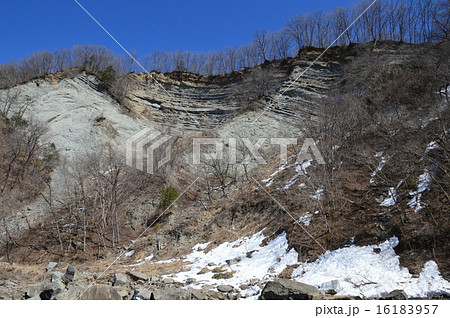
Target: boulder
[211,294]
[73,292]
[225,288]
[34,289]
[207,286]
[138,276]
[122,293]
[198,294]
[69,275]
[171,294]
[120,279]
[50,266]
[288,289]
[45,290]
[397,294]
[331,288]
[100,292]
[143,294]
[190,281]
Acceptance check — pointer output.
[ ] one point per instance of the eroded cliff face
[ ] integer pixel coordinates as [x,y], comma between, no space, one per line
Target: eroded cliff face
[341,201]
[194,103]
[81,117]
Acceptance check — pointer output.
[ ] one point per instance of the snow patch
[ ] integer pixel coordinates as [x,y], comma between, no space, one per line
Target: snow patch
[305,219]
[251,261]
[370,271]
[129,254]
[392,195]
[424,185]
[391,199]
[432,145]
[200,247]
[300,170]
[318,194]
[362,271]
[378,169]
[167,261]
[270,179]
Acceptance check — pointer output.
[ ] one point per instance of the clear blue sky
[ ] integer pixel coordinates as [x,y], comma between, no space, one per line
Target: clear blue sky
[27,26]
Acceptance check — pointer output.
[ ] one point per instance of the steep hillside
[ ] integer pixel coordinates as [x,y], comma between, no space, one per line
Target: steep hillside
[377,112]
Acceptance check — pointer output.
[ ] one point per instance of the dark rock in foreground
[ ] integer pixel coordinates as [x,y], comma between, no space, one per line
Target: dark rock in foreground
[137,276]
[284,289]
[397,294]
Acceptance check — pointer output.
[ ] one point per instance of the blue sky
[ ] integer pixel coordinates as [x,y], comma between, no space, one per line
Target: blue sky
[27,26]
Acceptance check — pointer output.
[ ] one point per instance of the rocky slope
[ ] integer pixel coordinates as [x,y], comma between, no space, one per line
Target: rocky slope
[281,217]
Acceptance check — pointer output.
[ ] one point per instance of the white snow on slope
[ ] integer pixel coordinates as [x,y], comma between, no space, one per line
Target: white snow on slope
[305,219]
[380,166]
[432,145]
[318,194]
[392,195]
[424,185]
[129,254]
[361,271]
[391,199]
[270,179]
[300,170]
[264,263]
[149,258]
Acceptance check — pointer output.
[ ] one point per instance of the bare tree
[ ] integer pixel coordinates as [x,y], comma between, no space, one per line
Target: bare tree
[441,18]
[262,43]
[340,20]
[62,59]
[280,44]
[39,63]
[295,26]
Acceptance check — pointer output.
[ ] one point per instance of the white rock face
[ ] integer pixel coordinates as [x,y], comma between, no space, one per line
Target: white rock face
[69,110]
